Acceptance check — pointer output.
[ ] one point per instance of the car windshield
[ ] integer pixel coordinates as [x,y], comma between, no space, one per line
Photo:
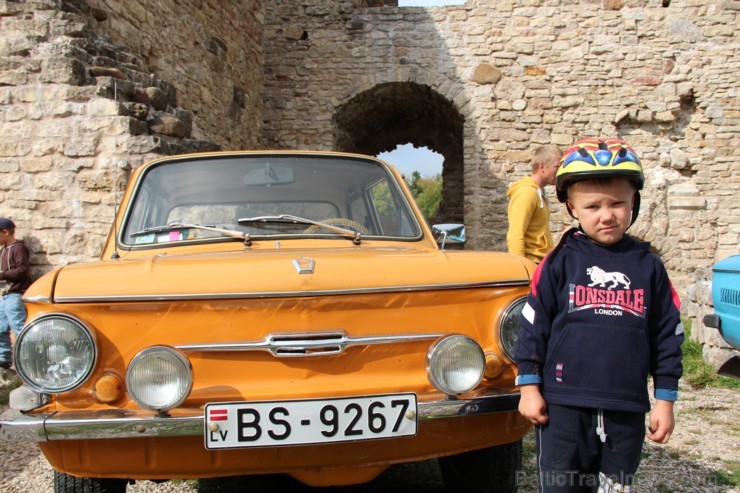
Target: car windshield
[222,197]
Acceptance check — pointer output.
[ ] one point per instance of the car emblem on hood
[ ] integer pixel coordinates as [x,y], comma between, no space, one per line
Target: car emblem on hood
[304,265]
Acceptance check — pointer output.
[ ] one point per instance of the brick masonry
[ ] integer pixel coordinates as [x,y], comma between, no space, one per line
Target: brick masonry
[91,89]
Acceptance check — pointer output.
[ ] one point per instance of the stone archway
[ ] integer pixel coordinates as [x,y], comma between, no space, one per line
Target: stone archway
[389,114]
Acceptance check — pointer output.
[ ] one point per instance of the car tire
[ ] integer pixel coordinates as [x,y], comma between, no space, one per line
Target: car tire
[64,483]
[488,470]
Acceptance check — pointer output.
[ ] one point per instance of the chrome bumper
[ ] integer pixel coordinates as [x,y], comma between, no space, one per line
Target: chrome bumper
[125,423]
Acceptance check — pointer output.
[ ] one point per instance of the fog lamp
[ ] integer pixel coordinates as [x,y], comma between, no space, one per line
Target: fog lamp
[455,364]
[159,378]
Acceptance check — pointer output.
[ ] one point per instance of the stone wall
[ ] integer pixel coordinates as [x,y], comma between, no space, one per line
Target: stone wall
[87,94]
[90,89]
[663,75]
[209,50]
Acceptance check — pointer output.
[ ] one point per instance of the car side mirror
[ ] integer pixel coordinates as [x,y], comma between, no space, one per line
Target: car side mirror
[453,233]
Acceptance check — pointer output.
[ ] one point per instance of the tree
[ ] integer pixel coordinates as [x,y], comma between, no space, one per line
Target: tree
[427,192]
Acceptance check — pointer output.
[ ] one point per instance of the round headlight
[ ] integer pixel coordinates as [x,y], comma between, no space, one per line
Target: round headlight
[509,331]
[455,364]
[159,378]
[55,353]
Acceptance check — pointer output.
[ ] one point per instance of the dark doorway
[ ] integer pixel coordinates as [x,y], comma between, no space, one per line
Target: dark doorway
[379,119]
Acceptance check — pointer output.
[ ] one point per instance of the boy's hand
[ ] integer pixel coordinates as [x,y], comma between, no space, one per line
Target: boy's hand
[661,422]
[532,406]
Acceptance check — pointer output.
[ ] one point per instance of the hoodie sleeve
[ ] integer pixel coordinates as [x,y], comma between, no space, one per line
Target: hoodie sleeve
[534,330]
[522,205]
[666,337]
[16,269]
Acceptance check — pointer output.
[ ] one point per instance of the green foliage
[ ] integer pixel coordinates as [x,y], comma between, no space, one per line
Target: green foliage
[383,200]
[696,372]
[427,192]
[728,477]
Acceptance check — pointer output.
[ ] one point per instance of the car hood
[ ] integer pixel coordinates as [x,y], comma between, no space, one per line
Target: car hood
[286,273]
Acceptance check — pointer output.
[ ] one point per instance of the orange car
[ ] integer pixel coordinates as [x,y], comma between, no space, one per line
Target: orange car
[272,312]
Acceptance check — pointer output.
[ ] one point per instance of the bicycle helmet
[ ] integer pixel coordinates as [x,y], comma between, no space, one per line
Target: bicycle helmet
[596,158]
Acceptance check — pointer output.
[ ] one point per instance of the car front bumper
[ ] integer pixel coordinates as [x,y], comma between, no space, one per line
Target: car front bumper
[126,423]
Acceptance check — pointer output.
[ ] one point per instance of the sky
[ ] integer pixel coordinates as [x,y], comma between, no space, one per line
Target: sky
[429,3]
[408,159]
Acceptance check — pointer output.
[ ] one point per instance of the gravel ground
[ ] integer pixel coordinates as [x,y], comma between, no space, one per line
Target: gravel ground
[701,457]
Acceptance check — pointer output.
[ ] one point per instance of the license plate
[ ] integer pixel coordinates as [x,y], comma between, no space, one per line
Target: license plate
[279,423]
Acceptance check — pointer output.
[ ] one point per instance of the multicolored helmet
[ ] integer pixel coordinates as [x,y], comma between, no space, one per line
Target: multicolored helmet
[595,158]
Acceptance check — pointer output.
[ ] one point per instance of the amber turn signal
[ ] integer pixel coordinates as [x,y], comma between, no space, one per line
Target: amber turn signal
[494,366]
[108,388]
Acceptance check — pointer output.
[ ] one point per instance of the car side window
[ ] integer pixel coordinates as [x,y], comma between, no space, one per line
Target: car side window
[393,219]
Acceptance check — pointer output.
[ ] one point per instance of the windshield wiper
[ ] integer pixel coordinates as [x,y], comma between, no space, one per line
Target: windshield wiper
[355,236]
[177,226]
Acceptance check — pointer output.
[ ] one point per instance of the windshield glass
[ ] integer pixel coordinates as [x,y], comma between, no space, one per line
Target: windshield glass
[248,193]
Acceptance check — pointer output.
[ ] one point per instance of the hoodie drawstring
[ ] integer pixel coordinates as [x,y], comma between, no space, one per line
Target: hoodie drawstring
[600,428]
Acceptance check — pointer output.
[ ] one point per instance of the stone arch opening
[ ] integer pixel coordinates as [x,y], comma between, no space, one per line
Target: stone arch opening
[396,113]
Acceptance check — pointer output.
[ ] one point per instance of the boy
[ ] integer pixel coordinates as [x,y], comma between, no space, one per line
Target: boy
[529,213]
[14,280]
[601,316]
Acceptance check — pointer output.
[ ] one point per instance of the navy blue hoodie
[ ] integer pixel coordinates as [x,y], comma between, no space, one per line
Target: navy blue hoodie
[598,320]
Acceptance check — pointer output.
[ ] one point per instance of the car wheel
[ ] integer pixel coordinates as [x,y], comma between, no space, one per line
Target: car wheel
[488,470]
[64,483]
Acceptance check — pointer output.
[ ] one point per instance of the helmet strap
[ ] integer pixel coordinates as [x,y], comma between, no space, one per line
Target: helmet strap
[635,208]
[570,211]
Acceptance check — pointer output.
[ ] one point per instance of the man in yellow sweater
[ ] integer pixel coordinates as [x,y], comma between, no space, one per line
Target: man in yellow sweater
[529,213]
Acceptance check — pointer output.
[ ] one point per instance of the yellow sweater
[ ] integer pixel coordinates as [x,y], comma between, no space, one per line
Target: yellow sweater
[529,220]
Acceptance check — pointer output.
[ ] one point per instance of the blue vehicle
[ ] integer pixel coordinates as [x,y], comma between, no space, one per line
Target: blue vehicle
[726,297]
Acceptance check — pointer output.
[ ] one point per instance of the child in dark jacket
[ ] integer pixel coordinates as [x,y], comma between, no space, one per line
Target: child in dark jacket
[602,316]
